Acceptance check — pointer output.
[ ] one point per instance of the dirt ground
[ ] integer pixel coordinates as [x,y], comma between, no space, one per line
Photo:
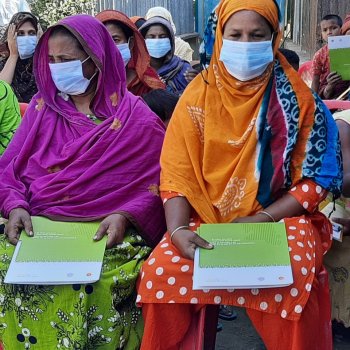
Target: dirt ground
[240,335]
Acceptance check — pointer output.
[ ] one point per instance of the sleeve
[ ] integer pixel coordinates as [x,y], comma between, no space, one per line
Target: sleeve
[308,194]
[10,117]
[166,195]
[317,64]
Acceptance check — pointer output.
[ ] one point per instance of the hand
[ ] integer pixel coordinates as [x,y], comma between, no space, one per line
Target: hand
[114,226]
[345,223]
[18,219]
[333,79]
[11,40]
[259,217]
[187,242]
[190,74]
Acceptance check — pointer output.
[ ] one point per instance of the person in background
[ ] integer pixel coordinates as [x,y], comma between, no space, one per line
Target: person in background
[141,77]
[248,142]
[138,21]
[346,26]
[162,103]
[10,117]
[160,42]
[81,153]
[327,84]
[17,47]
[10,7]
[182,48]
[292,57]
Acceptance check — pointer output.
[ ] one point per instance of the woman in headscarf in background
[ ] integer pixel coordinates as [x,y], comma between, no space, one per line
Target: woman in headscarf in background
[160,42]
[248,143]
[182,48]
[17,47]
[346,25]
[141,77]
[138,21]
[87,150]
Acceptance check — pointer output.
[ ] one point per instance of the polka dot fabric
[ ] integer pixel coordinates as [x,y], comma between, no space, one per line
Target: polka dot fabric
[167,277]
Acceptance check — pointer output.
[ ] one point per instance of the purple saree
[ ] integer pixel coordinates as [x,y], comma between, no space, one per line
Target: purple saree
[63,166]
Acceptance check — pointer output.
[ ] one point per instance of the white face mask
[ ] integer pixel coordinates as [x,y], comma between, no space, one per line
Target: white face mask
[26,45]
[246,60]
[125,52]
[158,48]
[69,78]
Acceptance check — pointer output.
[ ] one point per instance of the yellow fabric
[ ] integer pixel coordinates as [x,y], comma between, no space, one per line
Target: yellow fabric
[209,152]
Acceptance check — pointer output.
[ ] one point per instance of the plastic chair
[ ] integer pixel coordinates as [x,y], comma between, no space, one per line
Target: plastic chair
[305,72]
[22,107]
[202,332]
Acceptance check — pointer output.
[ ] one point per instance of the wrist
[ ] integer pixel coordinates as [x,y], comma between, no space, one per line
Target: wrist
[266,216]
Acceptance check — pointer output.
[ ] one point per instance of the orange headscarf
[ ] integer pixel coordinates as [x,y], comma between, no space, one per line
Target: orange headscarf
[147,77]
[211,146]
[346,25]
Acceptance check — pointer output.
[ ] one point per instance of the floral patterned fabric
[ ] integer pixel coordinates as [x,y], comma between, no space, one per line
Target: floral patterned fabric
[90,317]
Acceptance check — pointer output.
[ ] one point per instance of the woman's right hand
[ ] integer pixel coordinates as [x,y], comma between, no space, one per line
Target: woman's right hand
[187,242]
[12,40]
[19,219]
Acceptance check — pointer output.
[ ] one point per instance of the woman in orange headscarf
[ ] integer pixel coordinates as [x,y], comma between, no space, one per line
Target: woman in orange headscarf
[141,77]
[248,142]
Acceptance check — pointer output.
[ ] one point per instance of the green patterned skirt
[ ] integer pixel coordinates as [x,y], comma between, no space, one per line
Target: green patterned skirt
[95,316]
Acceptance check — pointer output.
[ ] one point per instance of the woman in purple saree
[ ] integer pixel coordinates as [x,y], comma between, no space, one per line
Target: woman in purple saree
[86,150]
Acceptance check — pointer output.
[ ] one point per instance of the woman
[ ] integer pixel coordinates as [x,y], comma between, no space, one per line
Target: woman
[9,115]
[249,142]
[82,153]
[182,48]
[141,77]
[17,48]
[160,42]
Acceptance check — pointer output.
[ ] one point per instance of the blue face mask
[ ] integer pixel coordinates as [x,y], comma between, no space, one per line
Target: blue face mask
[69,78]
[158,48]
[26,45]
[125,52]
[246,60]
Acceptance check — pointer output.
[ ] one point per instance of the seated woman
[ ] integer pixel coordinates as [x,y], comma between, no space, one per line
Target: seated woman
[160,42]
[141,77]
[17,47]
[249,142]
[182,48]
[10,117]
[82,153]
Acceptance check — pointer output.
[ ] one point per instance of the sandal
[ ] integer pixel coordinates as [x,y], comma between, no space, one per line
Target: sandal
[227,313]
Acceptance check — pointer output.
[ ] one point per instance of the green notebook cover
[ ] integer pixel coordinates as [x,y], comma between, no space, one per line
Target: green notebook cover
[339,55]
[244,245]
[56,241]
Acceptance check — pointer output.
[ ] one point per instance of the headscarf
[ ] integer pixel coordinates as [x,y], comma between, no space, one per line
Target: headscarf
[66,167]
[23,82]
[173,68]
[147,78]
[346,24]
[136,19]
[234,147]
[159,11]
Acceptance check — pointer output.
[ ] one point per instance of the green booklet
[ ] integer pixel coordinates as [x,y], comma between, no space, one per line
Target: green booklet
[244,256]
[339,55]
[59,253]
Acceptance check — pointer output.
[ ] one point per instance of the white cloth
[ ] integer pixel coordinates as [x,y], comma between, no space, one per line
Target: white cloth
[9,7]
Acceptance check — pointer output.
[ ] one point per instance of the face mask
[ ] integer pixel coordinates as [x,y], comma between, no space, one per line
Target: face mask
[158,48]
[246,60]
[125,52]
[69,78]
[26,46]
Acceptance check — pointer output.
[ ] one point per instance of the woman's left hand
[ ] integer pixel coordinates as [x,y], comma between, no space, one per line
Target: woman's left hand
[252,219]
[114,226]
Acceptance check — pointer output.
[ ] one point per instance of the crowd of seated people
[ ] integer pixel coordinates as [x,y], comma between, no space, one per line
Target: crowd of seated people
[106,118]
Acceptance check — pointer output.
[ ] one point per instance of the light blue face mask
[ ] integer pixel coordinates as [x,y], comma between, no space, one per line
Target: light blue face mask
[69,78]
[246,60]
[26,45]
[158,48]
[125,52]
